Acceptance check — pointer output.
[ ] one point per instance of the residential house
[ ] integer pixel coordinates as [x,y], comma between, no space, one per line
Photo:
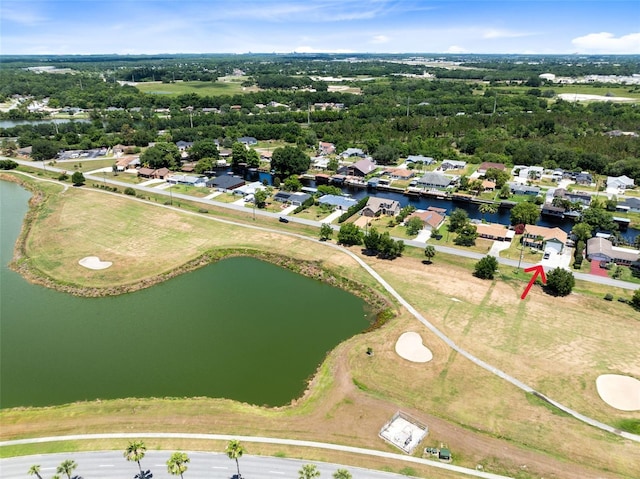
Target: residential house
[294,198]
[119,150]
[518,189]
[127,162]
[184,145]
[584,178]
[453,165]
[249,189]
[146,172]
[632,203]
[530,172]
[399,173]
[543,238]
[425,160]
[320,162]
[495,232]
[601,249]
[225,182]
[482,169]
[247,140]
[549,210]
[621,182]
[161,173]
[360,168]
[432,220]
[573,196]
[380,206]
[326,148]
[488,185]
[342,203]
[188,180]
[437,181]
[349,152]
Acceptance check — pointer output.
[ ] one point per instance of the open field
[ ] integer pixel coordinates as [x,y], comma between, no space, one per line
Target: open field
[577,89]
[198,87]
[557,345]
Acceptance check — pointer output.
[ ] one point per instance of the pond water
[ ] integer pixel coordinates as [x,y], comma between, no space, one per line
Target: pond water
[241,329]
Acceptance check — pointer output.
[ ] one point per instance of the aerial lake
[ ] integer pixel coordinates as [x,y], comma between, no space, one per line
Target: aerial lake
[241,329]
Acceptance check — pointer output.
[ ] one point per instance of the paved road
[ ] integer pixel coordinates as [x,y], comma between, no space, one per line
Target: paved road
[519,384]
[112,465]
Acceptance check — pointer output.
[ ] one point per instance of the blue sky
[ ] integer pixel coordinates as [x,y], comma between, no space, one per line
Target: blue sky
[358,26]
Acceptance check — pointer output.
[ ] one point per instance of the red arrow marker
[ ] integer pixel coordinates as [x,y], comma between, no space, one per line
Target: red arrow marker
[537,270]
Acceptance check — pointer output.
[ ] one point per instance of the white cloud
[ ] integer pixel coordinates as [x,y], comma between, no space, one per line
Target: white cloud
[497,33]
[605,42]
[380,39]
[308,49]
[20,13]
[456,49]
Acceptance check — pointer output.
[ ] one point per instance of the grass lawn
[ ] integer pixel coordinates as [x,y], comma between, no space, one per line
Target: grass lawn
[557,345]
[196,191]
[200,88]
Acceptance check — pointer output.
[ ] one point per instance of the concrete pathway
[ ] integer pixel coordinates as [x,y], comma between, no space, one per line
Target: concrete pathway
[423,236]
[497,247]
[153,181]
[213,195]
[333,216]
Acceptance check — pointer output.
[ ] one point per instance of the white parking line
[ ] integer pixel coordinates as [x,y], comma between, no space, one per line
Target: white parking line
[105,465]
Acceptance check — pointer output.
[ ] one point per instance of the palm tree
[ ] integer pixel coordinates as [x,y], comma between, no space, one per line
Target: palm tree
[177,463]
[309,471]
[35,471]
[488,208]
[342,474]
[429,252]
[135,452]
[67,467]
[235,450]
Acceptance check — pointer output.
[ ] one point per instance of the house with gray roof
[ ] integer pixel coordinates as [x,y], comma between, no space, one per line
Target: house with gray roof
[453,165]
[349,152]
[437,181]
[518,189]
[621,182]
[601,249]
[338,202]
[380,206]
[425,160]
[360,168]
[225,182]
[248,140]
[294,198]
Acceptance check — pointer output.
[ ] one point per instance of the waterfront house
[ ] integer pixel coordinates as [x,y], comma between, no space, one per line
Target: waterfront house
[380,206]
[399,173]
[633,204]
[360,168]
[494,231]
[601,249]
[431,220]
[518,189]
[342,203]
[549,210]
[573,196]
[544,238]
[225,182]
[293,198]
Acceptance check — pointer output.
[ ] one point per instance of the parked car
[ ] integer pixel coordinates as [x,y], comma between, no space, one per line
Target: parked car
[282,219]
[546,255]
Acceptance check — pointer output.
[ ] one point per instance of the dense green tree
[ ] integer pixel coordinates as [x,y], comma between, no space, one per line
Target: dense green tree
[67,467]
[234,451]
[204,149]
[598,218]
[77,178]
[386,155]
[177,464]
[371,240]
[350,234]
[525,213]
[582,231]
[486,268]
[326,232]
[499,177]
[292,183]
[414,225]
[42,150]
[329,190]
[488,208]
[8,165]
[560,282]
[458,219]
[253,159]
[239,154]
[308,471]
[389,248]
[466,235]
[505,192]
[260,197]
[429,252]
[161,155]
[289,160]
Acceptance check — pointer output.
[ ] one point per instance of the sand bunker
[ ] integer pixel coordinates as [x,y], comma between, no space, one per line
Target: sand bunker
[409,346]
[93,262]
[620,392]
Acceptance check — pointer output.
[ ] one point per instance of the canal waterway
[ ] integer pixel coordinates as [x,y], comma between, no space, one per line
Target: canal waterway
[241,329]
